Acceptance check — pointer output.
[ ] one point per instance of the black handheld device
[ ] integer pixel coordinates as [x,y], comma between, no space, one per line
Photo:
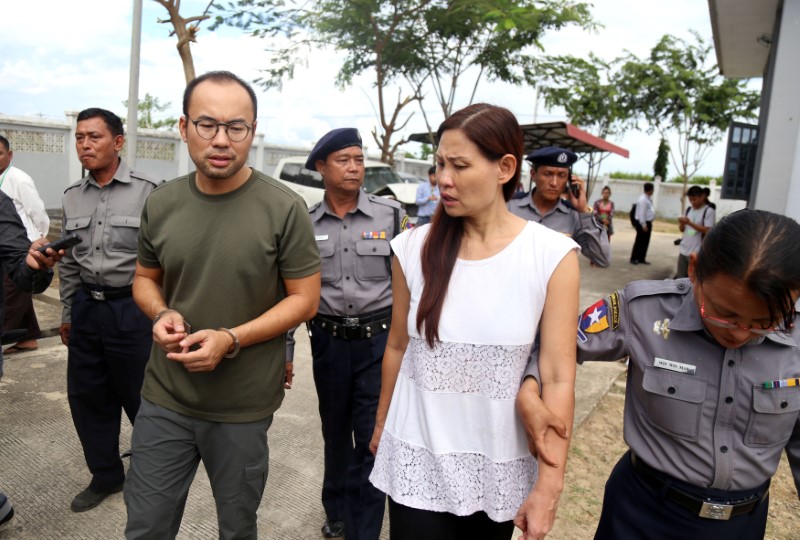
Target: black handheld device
[66,242]
[574,187]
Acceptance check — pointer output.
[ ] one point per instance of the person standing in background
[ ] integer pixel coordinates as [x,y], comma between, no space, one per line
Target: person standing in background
[643,223]
[427,198]
[604,211]
[19,186]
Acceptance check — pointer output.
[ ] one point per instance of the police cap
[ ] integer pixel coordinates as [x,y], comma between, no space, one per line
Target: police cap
[553,156]
[333,141]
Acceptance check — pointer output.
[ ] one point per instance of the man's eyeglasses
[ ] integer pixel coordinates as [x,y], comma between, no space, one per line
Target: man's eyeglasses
[208,128]
[722,323]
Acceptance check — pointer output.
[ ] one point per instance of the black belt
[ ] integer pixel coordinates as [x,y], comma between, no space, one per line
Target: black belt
[361,327]
[107,293]
[704,508]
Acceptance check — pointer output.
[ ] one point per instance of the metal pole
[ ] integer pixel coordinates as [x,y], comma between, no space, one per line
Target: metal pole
[133,84]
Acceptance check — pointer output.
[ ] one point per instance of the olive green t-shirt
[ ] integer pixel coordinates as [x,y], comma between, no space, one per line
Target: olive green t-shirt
[224,258]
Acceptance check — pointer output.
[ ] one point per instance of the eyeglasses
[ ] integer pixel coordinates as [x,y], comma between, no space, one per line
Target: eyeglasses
[208,128]
[722,323]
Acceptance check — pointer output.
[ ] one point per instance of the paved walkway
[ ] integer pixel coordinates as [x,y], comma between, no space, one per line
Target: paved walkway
[42,467]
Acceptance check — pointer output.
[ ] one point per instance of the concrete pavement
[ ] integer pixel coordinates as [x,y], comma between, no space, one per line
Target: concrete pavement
[42,466]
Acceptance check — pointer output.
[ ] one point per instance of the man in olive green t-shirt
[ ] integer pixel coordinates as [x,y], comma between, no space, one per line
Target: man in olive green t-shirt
[227,264]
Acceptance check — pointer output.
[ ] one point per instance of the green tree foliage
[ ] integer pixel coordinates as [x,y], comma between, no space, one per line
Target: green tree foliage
[149,107]
[588,91]
[678,90]
[411,44]
[661,165]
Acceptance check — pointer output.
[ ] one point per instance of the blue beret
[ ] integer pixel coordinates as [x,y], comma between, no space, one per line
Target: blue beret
[553,156]
[331,142]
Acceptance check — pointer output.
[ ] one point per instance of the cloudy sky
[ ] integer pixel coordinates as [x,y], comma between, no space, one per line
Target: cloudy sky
[60,56]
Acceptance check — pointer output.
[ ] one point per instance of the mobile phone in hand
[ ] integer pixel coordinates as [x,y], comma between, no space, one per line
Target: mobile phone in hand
[574,187]
[66,242]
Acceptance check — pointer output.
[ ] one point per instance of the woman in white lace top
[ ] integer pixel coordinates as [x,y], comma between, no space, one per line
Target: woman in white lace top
[471,290]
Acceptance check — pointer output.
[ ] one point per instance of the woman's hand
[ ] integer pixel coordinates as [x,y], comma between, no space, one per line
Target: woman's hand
[537,514]
[376,438]
[538,420]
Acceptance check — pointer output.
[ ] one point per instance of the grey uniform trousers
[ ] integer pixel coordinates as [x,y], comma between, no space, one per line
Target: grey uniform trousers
[167,448]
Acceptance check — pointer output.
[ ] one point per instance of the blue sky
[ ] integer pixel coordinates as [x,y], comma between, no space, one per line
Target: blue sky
[76,55]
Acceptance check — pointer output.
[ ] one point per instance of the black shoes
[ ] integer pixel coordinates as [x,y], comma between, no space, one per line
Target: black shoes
[88,499]
[6,510]
[333,529]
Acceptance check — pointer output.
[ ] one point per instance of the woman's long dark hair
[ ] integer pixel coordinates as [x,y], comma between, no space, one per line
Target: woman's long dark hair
[496,132]
[761,250]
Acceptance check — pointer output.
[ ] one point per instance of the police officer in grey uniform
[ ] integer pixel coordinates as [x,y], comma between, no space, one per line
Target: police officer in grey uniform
[348,335]
[107,336]
[713,389]
[551,174]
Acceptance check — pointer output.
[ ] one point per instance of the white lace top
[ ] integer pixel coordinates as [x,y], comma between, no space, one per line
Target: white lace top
[452,441]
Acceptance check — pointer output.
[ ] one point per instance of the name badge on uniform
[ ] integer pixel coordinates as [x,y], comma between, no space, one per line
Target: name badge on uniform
[321,237]
[678,367]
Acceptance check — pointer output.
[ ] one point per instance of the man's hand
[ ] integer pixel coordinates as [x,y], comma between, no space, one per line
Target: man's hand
[578,202]
[212,346]
[287,383]
[63,331]
[538,421]
[644,228]
[683,220]
[169,330]
[38,261]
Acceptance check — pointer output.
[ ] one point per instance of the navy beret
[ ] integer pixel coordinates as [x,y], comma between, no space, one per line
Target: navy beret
[332,141]
[553,156]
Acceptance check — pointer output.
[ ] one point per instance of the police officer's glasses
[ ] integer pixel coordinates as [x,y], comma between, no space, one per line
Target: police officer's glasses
[208,128]
[722,323]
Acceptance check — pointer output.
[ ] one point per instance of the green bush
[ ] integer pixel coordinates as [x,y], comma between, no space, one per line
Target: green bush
[697,179]
[631,176]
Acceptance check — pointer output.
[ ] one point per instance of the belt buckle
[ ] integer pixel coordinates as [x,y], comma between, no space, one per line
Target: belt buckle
[98,295]
[718,511]
[349,322]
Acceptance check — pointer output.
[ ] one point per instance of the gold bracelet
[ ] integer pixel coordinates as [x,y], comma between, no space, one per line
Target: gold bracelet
[236,345]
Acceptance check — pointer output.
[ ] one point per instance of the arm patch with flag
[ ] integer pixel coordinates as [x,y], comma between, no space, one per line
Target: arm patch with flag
[594,319]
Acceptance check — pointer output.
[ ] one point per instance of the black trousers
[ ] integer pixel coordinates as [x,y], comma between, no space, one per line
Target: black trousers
[347,375]
[413,524]
[632,510]
[641,243]
[19,312]
[109,345]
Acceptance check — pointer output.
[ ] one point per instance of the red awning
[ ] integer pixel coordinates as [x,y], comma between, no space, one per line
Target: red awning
[554,134]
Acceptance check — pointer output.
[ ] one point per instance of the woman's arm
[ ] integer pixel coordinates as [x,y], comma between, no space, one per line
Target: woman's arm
[558,329]
[395,349]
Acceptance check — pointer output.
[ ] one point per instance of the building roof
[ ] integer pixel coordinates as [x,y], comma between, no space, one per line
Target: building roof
[553,134]
[742,35]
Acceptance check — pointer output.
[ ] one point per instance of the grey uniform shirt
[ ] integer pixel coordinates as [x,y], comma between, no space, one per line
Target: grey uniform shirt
[107,219]
[354,252]
[694,409]
[581,226]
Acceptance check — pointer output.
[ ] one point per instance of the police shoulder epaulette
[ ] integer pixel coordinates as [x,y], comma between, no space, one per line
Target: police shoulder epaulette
[655,287]
[385,201]
[144,176]
[313,207]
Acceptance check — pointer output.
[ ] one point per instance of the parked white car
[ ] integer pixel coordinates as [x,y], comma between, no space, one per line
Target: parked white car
[379,179]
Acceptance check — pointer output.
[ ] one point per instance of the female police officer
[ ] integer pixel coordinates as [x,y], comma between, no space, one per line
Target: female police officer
[713,390]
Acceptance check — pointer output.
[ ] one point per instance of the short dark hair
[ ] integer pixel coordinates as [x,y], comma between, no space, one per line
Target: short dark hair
[606,188]
[432,170]
[218,77]
[648,186]
[694,191]
[5,143]
[113,122]
[760,249]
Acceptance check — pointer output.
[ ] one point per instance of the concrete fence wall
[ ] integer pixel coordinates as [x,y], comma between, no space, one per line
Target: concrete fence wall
[45,149]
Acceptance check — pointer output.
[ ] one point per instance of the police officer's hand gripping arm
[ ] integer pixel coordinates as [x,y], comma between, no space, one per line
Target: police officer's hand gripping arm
[169,331]
[557,374]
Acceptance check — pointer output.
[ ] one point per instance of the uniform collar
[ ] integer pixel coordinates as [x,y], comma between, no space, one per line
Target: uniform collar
[364,206]
[528,201]
[688,319]
[122,174]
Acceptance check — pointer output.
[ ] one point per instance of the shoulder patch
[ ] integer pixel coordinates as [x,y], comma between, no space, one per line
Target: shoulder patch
[636,289]
[144,176]
[613,308]
[594,319]
[404,224]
